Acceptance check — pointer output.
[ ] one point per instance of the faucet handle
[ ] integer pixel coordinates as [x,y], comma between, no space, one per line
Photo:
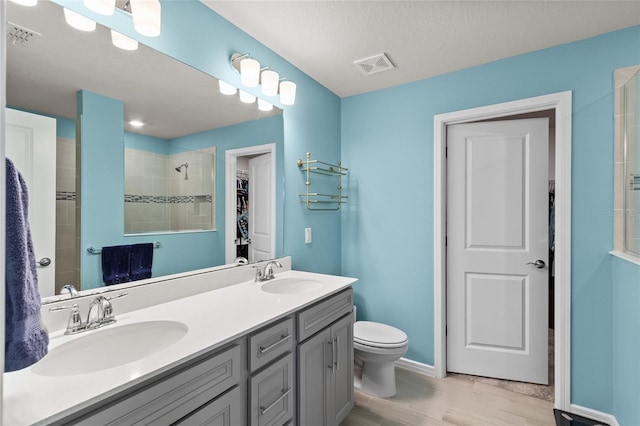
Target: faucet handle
[258,272]
[74,324]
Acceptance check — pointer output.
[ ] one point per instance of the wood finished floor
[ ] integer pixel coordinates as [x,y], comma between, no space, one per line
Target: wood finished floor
[422,401]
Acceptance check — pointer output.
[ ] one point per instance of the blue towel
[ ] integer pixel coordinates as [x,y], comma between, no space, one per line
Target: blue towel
[26,340]
[115,264]
[141,261]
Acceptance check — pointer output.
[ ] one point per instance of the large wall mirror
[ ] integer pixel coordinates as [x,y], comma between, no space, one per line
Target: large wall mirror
[163,182]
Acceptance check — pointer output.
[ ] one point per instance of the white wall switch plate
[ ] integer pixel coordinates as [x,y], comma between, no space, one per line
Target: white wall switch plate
[307,235]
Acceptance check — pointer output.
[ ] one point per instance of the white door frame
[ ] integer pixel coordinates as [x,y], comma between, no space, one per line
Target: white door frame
[230,161]
[561,103]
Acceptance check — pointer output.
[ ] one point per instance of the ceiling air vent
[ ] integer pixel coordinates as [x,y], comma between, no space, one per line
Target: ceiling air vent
[374,64]
[19,35]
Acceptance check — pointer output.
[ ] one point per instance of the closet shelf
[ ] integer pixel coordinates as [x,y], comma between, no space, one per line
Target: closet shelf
[310,199]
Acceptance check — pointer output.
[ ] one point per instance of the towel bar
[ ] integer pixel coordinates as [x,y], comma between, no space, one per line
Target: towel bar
[93,250]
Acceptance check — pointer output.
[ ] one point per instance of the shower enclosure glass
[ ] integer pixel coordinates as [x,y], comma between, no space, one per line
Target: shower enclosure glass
[169,192]
[631,119]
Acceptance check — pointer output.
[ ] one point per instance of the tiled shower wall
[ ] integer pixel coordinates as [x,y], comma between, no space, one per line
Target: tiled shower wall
[159,199]
[66,254]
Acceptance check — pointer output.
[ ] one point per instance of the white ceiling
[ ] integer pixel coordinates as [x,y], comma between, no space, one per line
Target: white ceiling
[422,38]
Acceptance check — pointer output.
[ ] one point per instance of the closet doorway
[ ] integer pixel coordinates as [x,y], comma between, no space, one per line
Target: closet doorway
[250,203]
[560,107]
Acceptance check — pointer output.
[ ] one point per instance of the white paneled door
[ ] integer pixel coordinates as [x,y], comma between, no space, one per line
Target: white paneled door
[497,249]
[31,145]
[261,229]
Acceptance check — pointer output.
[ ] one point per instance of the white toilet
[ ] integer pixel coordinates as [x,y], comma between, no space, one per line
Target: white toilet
[376,348]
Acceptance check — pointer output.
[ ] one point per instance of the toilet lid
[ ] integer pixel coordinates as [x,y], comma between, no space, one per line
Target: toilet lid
[375,334]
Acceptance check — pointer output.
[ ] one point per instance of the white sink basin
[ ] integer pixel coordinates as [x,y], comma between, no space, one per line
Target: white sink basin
[110,347]
[291,285]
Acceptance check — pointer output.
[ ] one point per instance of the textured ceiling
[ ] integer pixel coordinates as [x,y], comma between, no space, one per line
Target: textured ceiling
[422,38]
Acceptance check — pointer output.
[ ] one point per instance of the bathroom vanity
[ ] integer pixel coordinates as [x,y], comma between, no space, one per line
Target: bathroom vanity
[278,352]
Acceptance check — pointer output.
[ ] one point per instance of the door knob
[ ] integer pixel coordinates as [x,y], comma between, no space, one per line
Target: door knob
[538,263]
[45,261]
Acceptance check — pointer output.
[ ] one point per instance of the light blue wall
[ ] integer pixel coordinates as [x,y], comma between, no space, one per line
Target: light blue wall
[387,231]
[626,342]
[146,143]
[312,124]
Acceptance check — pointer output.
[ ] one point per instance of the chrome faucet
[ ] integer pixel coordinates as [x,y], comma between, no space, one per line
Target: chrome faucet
[266,273]
[100,314]
[71,290]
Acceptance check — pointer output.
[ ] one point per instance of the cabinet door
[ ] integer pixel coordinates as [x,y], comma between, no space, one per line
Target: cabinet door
[341,399]
[314,370]
[272,394]
[225,410]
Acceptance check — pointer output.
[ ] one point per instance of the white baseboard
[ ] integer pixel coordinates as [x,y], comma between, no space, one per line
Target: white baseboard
[416,367]
[593,414]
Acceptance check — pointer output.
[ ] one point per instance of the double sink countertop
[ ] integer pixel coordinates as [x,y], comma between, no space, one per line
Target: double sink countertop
[213,318]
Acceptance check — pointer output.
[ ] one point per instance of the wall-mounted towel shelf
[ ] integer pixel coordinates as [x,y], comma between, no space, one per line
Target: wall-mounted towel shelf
[316,200]
[93,250]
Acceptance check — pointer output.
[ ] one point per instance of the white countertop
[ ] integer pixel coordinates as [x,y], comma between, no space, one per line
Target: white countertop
[214,318]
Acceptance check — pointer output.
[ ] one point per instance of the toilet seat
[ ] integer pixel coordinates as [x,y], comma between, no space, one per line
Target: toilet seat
[377,335]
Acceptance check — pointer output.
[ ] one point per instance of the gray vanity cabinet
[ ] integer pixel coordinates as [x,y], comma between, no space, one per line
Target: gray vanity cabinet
[210,387]
[325,362]
[272,391]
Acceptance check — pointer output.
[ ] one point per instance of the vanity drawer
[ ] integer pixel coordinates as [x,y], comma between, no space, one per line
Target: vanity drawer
[170,399]
[272,394]
[226,410]
[270,343]
[317,317]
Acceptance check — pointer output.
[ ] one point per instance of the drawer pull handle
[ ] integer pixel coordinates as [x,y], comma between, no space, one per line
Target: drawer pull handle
[283,339]
[263,410]
[332,364]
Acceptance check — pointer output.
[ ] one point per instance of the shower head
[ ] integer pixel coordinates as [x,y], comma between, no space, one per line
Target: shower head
[186,170]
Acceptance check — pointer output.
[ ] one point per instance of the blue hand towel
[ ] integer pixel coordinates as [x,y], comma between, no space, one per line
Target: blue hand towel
[141,261]
[115,264]
[26,340]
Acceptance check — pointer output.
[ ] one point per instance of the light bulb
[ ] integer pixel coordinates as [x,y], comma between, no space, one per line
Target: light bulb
[78,21]
[122,41]
[226,88]
[287,92]
[249,72]
[247,98]
[264,105]
[269,80]
[146,17]
[103,7]
[29,3]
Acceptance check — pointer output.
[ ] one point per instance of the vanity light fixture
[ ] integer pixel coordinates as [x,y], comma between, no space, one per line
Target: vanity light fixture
[249,72]
[226,88]
[146,16]
[287,92]
[29,3]
[103,7]
[251,75]
[264,105]
[246,97]
[78,21]
[123,42]
[269,80]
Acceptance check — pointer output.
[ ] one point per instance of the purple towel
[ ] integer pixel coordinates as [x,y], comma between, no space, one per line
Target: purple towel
[141,261]
[115,264]
[26,340]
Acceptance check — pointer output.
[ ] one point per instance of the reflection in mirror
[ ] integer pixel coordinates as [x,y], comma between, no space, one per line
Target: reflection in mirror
[168,192]
[55,71]
[631,116]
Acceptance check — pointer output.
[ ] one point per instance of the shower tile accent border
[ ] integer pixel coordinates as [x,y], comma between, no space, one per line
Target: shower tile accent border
[164,199]
[65,196]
